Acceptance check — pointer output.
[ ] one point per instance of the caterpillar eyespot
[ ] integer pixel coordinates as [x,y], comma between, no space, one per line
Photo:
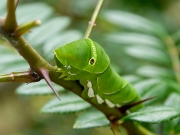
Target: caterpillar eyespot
[91,61]
[101,83]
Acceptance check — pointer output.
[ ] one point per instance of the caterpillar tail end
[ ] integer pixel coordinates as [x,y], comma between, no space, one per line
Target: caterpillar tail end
[45,73]
[127,107]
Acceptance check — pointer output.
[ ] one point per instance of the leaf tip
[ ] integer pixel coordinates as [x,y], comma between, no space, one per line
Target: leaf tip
[45,73]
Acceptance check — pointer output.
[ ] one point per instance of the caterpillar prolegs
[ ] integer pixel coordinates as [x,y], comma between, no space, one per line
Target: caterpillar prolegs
[86,61]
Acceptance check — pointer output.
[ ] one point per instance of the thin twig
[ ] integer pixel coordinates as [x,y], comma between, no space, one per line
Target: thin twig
[93,19]
[26,76]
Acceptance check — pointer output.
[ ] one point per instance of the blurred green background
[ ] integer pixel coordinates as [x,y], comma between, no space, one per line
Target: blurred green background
[20,115]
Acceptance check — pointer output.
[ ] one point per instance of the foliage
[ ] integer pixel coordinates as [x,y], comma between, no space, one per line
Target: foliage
[153,114]
[141,49]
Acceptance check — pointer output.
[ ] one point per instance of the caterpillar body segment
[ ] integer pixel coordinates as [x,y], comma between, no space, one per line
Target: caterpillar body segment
[86,61]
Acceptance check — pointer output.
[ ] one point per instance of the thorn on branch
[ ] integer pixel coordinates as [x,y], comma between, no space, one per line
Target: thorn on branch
[10,22]
[45,73]
[124,108]
[24,28]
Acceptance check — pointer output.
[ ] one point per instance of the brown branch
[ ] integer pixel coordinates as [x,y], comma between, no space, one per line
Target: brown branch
[26,76]
[10,22]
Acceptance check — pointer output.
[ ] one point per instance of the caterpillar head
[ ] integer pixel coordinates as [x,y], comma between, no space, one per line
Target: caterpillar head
[83,54]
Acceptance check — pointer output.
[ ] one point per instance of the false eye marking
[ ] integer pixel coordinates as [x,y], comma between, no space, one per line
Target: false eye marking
[92,61]
[71,73]
[89,84]
[99,99]
[90,92]
[93,58]
[69,67]
[118,106]
[109,103]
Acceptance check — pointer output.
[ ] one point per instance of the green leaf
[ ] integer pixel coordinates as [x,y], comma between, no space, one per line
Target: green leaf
[153,114]
[159,90]
[173,85]
[40,11]
[145,85]
[134,22]
[81,5]
[148,53]
[173,100]
[132,38]
[154,71]
[91,119]
[11,61]
[38,88]
[15,66]
[70,103]
[42,34]
[51,32]
[60,40]
[132,78]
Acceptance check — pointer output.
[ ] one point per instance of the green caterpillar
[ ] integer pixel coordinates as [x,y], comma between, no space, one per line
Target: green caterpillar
[86,61]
